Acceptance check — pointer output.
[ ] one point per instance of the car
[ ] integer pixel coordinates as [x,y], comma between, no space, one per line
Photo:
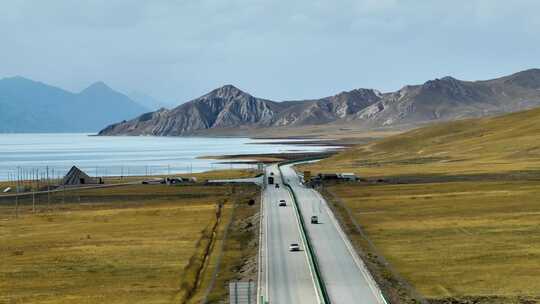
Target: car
[282,203]
[271,173]
[294,247]
[314,219]
[277,185]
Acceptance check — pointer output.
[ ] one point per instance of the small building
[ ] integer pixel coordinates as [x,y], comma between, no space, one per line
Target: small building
[154,181]
[180,180]
[348,176]
[173,180]
[76,176]
[335,177]
[327,176]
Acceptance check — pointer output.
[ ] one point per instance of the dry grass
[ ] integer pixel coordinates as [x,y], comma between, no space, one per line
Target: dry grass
[455,239]
[238,261]
[201,177]
[455,209]
[490,145]
[118,245]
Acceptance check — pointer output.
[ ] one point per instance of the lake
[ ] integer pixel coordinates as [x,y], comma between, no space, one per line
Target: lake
[127,155]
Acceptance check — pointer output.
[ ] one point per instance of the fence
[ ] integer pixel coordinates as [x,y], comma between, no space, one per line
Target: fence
[22,173]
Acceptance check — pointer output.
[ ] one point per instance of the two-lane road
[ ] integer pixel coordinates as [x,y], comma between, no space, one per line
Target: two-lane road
[286,275]
[343,273]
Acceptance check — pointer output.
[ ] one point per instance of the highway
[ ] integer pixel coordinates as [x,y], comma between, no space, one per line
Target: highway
[285,277]
[343,272]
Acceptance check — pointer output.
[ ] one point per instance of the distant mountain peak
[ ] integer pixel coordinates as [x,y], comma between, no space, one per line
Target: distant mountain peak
[98,86]
[449,78]
[228,91]
[446,98]
[17,77]
[527,79]
[21,79]
[32,106]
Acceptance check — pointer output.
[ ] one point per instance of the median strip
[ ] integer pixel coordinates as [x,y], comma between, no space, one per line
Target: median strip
[312,258]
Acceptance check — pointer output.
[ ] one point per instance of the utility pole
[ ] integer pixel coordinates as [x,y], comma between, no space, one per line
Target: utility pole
[38,181]
[63,194]
[17,193]
[34,192]
[48,191]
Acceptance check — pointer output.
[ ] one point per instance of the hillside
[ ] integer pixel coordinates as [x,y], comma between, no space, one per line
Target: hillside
[228,109]
[452,207]
[30,106]
[499,144]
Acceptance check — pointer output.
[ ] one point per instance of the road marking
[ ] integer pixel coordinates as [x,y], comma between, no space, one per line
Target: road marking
[299,226]
[359,263]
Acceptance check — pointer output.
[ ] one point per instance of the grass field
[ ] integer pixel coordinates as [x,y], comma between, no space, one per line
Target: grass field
[455,239]
[453,207]
[201,176]
[129,244]
[509,143]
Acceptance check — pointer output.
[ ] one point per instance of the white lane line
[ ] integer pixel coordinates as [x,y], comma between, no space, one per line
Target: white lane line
[266,252]
[263,254]
[299,226]
[267,212]
[359,263]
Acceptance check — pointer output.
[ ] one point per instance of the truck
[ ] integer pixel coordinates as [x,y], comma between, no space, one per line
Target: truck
[270,180]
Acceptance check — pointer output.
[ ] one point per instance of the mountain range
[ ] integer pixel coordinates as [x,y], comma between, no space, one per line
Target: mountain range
[30,106]
[229,108]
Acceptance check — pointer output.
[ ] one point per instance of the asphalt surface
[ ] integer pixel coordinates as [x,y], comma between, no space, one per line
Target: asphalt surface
[286,275]
[255,180]
[343,273]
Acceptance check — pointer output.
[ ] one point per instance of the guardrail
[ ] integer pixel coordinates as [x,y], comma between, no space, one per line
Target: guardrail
[312,258]
[261,273]
[363,268]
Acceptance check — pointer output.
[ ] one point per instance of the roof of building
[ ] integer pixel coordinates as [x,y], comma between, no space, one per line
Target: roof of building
[74,176]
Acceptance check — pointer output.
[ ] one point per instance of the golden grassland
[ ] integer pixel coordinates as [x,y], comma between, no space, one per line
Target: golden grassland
[475,146]
[129,244]
[201,176]
[234,255]
[458,239]
[454,207]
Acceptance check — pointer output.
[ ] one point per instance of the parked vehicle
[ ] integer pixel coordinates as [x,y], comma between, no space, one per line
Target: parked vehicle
[155,181]
[294,247]
[314,219]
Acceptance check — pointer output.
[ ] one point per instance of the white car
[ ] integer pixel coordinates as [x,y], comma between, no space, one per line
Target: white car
[294,247]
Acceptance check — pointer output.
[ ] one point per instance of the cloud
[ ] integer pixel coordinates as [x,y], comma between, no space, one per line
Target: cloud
[275,49]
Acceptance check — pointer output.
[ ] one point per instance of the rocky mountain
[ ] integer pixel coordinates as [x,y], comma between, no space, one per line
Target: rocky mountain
[30,106]
[449,99]
[229,108]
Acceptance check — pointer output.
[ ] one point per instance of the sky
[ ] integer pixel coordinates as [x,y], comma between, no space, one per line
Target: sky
[280,50]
